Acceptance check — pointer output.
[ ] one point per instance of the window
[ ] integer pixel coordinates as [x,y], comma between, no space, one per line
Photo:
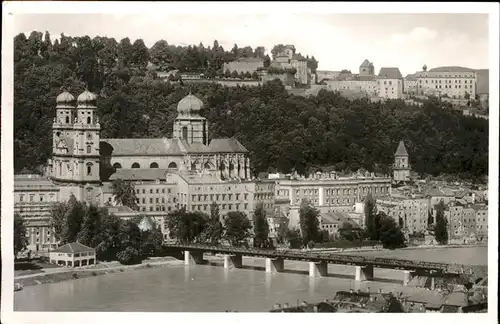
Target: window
[89,169]
[185,132]
[21,198]
[172,165]
[89,120]
[150,200]
[41,197]
[117,166]
[153,165]
[135,165]
[67,119]
[89,149]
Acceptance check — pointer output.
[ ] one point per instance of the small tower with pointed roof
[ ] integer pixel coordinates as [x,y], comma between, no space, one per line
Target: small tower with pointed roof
[401,168]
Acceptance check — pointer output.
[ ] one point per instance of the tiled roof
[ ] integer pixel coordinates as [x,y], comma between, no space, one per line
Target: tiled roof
[390,73]
[22,182]
[451,69]
[365,63]
[74,247]
[299,57]
[401,151]
[139,174]
[194,147]
[411,77]
[226,145]
[143,146]
[457,298]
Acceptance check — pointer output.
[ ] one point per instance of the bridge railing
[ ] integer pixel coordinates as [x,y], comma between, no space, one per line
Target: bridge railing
[354,259]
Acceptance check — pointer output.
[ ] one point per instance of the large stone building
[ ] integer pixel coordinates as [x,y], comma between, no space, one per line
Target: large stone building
[453,81]
[401,168]
[187,170]
[289,60]
[467,223]
[411,213]
[391,83]
[330,192]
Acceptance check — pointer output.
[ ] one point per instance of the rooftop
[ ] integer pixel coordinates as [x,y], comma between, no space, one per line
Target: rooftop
[390,73]
[401,151]
[74,247]
[451,69]
[139,174]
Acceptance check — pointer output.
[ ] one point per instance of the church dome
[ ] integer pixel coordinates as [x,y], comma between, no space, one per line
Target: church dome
[87,96]
[190,104]
[65,97]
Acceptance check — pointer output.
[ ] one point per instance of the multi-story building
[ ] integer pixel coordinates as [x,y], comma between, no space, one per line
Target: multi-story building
[34,197]
[411,84]
[330,192]
[401,168]
[481,213]
[454,81]
[366,69]
[244,65]
[391,84]
[411,213]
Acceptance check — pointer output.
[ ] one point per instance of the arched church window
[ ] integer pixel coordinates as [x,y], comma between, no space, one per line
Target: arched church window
[89,120]
[89,149]
[117,165]
[172,165]
[135,165]
[185,132]
[153,165]
[89,169]
[67,119]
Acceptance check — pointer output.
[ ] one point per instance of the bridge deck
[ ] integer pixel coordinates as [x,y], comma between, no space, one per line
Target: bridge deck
[334,258]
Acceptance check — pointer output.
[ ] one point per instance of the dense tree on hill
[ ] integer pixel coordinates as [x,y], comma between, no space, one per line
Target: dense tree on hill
[281,131]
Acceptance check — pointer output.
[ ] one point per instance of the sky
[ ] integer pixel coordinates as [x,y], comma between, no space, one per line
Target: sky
[337,41]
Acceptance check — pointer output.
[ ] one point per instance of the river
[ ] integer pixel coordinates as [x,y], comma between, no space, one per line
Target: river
[211,288]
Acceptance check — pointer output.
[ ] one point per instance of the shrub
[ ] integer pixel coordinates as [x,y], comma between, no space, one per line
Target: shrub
[129,256]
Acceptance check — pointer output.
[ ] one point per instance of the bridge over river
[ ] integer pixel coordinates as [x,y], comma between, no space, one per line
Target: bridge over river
[318,262]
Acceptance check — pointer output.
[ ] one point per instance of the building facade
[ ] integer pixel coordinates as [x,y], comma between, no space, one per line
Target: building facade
[391,83]
[455,82]
[410,213]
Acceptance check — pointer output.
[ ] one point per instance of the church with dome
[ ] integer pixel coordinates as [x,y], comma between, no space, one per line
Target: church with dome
[188,170]
[79,151]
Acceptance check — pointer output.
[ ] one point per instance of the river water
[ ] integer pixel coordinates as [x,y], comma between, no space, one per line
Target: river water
[211,288]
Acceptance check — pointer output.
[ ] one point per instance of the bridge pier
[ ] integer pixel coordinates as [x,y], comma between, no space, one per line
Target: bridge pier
[364,273]
[275,265]
[318,269]
[408,276]
[233,261]
[193,257]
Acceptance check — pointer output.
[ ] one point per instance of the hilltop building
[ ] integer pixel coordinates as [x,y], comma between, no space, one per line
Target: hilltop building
[187,170]
[288,60]
[391,83]
[456,82]
[401,168]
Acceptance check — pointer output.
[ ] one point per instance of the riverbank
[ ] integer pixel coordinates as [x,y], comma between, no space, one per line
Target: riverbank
[409,248]
[64,274]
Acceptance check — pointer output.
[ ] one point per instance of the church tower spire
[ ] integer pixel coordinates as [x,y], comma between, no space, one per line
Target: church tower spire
[401,167]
